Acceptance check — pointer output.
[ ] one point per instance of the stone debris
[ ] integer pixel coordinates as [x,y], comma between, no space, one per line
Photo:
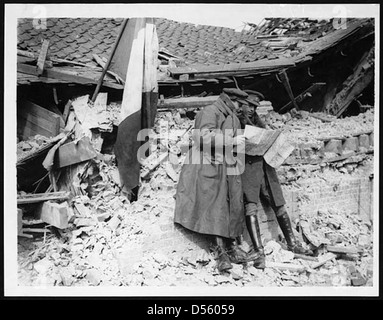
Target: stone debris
[106,244]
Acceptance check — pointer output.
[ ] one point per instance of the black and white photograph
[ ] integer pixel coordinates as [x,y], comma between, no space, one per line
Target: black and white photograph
[191,150]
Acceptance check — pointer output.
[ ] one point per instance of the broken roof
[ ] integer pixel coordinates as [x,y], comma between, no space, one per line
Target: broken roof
[196,46]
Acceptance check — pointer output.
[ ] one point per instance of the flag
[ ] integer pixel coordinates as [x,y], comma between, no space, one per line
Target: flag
[137,51]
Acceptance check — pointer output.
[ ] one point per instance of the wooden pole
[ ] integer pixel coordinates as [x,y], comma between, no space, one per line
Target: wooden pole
[286,83]
[105,69]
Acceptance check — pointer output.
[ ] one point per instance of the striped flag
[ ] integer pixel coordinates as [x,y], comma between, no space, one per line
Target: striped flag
[135,60]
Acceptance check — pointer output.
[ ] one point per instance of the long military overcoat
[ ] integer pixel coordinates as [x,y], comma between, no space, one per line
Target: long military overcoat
[208,200]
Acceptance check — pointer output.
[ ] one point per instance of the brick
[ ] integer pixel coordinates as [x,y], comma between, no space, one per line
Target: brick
[372,139]
[351,144]
[364,141]
[334,146]
[55,214]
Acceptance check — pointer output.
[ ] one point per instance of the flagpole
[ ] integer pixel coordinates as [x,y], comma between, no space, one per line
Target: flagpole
[105,69]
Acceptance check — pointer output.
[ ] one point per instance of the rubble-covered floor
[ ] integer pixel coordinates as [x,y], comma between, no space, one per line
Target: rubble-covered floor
[103,244]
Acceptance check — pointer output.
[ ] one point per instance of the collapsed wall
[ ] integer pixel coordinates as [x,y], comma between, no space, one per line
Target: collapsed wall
[315,178]
[106,237]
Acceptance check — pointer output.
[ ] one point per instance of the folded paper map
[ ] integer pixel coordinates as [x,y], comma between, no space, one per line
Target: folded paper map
[271,144]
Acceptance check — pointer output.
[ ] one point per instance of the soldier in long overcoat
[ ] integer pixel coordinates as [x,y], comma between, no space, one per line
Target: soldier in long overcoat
[209,198]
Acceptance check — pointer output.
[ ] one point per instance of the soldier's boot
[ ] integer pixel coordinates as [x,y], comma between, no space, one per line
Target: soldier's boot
[292,243]
[256,254]
[223,261]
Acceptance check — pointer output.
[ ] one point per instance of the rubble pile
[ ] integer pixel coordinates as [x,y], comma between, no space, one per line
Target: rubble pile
[26,148]
[337,227]
[105,241]
[309,129]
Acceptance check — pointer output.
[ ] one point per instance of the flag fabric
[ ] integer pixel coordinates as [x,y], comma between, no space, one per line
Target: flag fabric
[140,96]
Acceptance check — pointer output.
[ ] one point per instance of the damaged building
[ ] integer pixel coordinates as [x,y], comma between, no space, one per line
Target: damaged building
[89,213]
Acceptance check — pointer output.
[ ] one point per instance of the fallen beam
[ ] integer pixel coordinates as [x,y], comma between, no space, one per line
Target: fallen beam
[346,250]
[235,67]
[285,266]
[37,230]
[301,97]
[304,257]
[62,76]
[186,102]
[33,119]
[354,85]
[329,256]
[41,197]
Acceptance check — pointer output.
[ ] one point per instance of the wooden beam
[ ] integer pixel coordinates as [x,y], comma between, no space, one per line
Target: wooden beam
[66,110]
[322,260]
[41,197]
[235,67]
[286,83]
[33,119]
[346,250]
[299,98]
[285,266]
[42,57]
[186,102]
[61,76]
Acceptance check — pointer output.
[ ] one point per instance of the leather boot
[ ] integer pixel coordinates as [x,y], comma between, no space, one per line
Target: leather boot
[223,261]
[292,244]
[236,254]
[256,254]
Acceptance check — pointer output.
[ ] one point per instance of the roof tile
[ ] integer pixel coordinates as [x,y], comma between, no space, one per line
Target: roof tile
[208,44]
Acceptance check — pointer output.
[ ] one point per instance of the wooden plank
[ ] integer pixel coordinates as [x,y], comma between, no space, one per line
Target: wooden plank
[354,90]
[304,257]
[42,57]
[38,121]
[329,256]
[332,39]
[256,65]
[285,266]
[61,76]
[41,197]
[186,102]
[75,152]
[34,119]
[299,98]
[36,110]
[339,249]
[36,230]
[286,83]
[66,110]
[28,129]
